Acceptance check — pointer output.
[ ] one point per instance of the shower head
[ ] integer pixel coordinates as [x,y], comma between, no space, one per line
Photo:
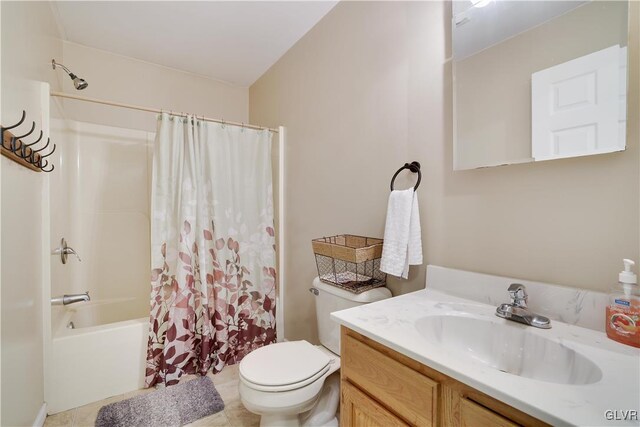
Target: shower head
[78,83]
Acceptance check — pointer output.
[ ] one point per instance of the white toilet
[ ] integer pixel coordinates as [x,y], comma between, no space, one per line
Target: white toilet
[295,383]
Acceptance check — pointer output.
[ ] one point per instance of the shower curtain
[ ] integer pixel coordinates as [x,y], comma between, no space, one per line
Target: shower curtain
[212,248]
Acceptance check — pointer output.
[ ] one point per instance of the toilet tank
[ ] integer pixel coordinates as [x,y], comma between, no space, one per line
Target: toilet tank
[330,298]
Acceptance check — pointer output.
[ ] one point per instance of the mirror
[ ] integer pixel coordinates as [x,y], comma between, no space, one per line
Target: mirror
[538,80]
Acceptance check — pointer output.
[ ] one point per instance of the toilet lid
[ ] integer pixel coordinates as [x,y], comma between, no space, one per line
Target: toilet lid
[283,363]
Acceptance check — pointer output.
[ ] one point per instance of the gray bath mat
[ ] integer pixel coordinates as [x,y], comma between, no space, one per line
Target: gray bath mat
[172,406]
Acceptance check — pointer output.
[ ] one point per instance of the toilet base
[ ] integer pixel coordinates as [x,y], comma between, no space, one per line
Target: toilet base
[292,421]
[322,413]
[280,420]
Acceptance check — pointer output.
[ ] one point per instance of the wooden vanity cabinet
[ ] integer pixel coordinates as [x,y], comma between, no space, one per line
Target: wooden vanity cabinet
[381,387]
[358,409]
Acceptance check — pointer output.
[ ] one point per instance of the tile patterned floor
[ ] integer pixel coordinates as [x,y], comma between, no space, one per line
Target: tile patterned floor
[226,382]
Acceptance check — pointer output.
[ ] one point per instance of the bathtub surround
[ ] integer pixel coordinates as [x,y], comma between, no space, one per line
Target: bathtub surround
[212,247]
[100,203]
[172,406]
[372,81]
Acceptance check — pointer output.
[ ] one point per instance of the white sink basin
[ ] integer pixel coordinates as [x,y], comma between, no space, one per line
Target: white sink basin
[510,348]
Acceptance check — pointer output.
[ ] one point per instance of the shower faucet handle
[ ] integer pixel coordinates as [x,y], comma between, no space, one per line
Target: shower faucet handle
[71,251]
[63,250]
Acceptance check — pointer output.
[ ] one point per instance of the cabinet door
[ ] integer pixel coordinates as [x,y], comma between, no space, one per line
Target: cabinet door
[408,393]
[475,415]
[359,410]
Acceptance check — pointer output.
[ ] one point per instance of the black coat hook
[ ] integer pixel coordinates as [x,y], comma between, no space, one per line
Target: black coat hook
[45,146]
[50,153]
[15,139]
[12,142]
[33,127]
[24,116]
[36,160]
[413,167]
[23,147]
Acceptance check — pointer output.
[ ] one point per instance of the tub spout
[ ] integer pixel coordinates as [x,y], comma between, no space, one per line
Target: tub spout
[70,299]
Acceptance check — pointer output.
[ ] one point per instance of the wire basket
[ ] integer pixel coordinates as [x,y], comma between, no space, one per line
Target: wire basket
[349,262]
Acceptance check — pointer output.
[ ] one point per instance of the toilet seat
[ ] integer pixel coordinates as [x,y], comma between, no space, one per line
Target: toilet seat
[284,366]
[286,387]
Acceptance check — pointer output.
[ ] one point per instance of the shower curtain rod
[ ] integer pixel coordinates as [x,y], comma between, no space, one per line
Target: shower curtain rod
[155,110]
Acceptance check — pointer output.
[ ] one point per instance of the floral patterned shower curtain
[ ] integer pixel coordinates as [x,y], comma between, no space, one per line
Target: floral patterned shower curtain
[212,248]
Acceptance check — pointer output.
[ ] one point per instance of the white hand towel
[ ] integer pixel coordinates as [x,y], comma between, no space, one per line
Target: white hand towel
[402,235]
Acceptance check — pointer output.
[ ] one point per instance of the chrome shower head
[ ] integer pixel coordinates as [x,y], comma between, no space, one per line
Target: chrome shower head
[78,83]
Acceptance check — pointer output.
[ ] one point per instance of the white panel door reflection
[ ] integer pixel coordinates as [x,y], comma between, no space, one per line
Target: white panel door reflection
[575,106]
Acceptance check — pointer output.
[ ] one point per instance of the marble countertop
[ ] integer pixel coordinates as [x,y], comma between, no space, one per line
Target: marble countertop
[392,322]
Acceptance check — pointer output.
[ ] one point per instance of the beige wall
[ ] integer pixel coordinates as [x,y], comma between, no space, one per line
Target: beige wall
[29,40]
[128,80]
[369,88]
[493,87]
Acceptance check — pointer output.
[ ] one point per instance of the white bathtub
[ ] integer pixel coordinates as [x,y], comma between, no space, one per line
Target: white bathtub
[95,361]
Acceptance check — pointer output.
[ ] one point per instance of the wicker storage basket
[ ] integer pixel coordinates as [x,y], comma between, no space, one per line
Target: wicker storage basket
[349,262]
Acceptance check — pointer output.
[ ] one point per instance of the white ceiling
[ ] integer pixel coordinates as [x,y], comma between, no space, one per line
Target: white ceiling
[477,28]
[231,41]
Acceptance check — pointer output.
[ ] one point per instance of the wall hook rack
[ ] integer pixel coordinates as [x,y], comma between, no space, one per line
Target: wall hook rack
[14,148]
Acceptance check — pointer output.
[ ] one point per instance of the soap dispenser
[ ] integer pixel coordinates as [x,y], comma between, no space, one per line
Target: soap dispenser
[623,311]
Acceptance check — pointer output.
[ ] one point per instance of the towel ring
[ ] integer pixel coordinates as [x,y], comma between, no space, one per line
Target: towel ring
[413,167]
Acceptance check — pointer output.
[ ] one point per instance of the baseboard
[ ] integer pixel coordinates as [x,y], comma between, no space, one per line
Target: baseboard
[42,415]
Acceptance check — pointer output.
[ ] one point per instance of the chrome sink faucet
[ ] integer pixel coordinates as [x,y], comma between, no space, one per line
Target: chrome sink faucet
[517,310]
